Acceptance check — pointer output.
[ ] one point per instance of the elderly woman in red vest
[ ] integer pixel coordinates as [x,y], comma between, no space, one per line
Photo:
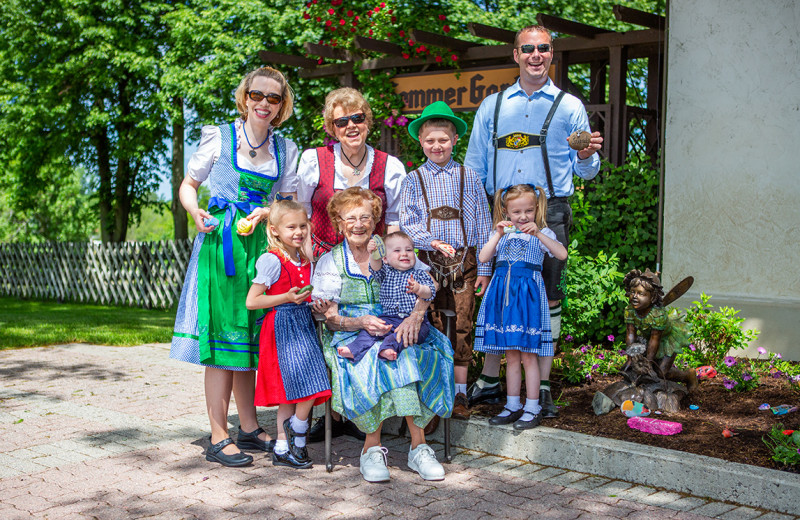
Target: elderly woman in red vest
[350,162]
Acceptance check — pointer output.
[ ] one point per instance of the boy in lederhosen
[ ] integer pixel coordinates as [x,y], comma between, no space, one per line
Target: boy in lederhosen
[445,211]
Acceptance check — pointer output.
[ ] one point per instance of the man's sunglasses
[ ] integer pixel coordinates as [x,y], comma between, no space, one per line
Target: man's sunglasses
[257,96]
[529,48]
[357,119]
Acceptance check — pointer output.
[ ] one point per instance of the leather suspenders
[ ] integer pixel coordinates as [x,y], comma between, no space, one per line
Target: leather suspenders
[542,140]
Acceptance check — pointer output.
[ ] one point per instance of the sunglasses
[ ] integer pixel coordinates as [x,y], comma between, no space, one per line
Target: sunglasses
[357,119]
[257,96]
[529,48]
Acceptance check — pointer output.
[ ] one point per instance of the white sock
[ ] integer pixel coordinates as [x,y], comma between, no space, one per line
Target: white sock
[461,389]
[512,403]
[531,408]
[555,321]
[299,427]
[281,446]
[483,384]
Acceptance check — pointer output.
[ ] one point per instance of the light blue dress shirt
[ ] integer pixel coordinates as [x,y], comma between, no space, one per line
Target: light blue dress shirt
[522,113]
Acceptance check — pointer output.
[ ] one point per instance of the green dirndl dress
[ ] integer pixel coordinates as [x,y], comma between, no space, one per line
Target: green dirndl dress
[213,327]
[674,330]
[418,384]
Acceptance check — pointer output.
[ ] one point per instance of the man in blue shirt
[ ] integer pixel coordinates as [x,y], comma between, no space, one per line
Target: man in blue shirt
[512,153]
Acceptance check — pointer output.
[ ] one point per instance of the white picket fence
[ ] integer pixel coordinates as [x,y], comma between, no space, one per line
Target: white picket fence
[138,274]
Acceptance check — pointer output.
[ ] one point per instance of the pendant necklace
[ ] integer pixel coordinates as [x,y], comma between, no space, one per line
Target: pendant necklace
[253,149]
[356,171]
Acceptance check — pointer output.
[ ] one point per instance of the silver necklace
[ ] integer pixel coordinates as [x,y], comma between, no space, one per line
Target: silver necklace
[356,171]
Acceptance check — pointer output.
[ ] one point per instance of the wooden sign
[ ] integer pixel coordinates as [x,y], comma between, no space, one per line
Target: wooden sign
[462,89]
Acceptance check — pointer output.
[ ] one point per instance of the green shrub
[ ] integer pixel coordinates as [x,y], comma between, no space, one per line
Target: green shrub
[595,297]
[785,445]
[582,364]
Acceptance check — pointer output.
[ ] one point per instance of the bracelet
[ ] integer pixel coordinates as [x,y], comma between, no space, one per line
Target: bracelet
[341,322]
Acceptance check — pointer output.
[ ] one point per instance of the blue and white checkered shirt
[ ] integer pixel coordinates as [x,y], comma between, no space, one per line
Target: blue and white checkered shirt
[443,185]
[393,296]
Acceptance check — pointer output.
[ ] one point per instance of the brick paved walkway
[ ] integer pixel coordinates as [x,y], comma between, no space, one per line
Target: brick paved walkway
[108,432]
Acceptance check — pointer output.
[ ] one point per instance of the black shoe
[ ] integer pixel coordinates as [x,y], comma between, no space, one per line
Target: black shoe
[527,425]
[490,394]
[250,441]
[338,428]
[300,454]
[506,419]
[214,454]
[288,459]
[549,410]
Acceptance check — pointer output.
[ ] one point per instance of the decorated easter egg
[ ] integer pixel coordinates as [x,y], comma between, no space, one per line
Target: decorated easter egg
[211,221]
[634,409]
[705,372]
[579,140]
[380,248]
[511,229]
[244,225]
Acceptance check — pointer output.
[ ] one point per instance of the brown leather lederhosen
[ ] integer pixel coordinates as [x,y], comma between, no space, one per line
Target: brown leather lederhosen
[456,276]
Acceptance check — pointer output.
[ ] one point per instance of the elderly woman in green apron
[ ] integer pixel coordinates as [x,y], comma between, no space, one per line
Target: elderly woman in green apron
[246,164]
[417,385]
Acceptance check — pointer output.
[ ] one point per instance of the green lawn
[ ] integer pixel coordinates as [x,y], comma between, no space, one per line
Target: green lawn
[35,323]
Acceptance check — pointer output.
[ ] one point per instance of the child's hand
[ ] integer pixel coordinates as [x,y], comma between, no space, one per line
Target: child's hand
[502,225]
[444,248]
[413,286]
[293,297]
[530,228]
[371,245]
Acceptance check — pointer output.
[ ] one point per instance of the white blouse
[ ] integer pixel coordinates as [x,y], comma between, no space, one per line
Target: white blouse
[210,148]
[268,269]
[327,281]
[307,180]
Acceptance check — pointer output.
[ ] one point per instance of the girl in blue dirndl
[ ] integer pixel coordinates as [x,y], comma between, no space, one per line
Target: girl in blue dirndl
[514,317]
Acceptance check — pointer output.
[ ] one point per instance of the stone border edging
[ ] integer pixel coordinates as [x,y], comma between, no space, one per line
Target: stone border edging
[698,475]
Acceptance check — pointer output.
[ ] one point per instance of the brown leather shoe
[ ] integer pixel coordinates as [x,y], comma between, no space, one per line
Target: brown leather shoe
[461,407]
[431,427]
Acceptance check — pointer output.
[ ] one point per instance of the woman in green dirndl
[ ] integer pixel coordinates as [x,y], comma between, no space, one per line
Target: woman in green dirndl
[246,164]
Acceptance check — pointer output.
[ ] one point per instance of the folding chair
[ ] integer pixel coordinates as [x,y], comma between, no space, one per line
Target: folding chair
[448,317]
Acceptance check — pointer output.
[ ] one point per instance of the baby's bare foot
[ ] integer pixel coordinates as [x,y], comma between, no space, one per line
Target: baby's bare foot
[345,352]
[388,354]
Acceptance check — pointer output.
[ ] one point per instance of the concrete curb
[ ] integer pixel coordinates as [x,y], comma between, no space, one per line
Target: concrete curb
[697,475]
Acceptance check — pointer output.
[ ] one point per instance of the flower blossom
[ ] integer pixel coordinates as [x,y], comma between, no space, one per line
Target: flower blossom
[729,360]
[600,355]
[401,121]
[568,337]
[729,383]
[389,121]
[787,432]
[747,377]
[582,362]
[595,366]
[762,350]
[446,28]
[611,338]
[584,349]
[692,347]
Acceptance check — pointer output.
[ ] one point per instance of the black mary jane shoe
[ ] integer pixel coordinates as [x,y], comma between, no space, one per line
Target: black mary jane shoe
[489,394]
[251,441]
[288,459]
[535,421]
[300,454]
[214,453]
[549,409]
[497,420]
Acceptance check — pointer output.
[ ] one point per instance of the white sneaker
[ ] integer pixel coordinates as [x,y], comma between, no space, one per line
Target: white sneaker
[422,459]
[373,464]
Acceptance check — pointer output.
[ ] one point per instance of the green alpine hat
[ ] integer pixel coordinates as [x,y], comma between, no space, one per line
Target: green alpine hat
[437,110]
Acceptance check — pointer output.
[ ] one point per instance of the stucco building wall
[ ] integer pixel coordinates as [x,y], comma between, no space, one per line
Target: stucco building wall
[732,161]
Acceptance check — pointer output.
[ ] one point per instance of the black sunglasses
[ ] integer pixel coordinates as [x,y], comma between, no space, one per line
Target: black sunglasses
[257,96]
[357,119]
[528,48]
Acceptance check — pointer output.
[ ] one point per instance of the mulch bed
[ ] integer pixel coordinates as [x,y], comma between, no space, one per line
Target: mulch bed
[702,428]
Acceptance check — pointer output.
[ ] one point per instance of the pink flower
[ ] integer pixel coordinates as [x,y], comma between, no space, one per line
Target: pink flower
[584,349]
[401,121]
[568,337]
[729,360]
[611,338]
[728,383]
[595,366]
[762,350]
[778,356]
[409,164]
[692,347]
[600,355]
[747,377]
[389,121]
[331,11]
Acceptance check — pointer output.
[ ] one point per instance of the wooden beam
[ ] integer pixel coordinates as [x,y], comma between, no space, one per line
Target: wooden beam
[325,71]
[637,17]
[491,33]
[617,83]
[396,62]
[561,25]
[611,39]
[286,59]
[370,44]
[440,40]
[325,51]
